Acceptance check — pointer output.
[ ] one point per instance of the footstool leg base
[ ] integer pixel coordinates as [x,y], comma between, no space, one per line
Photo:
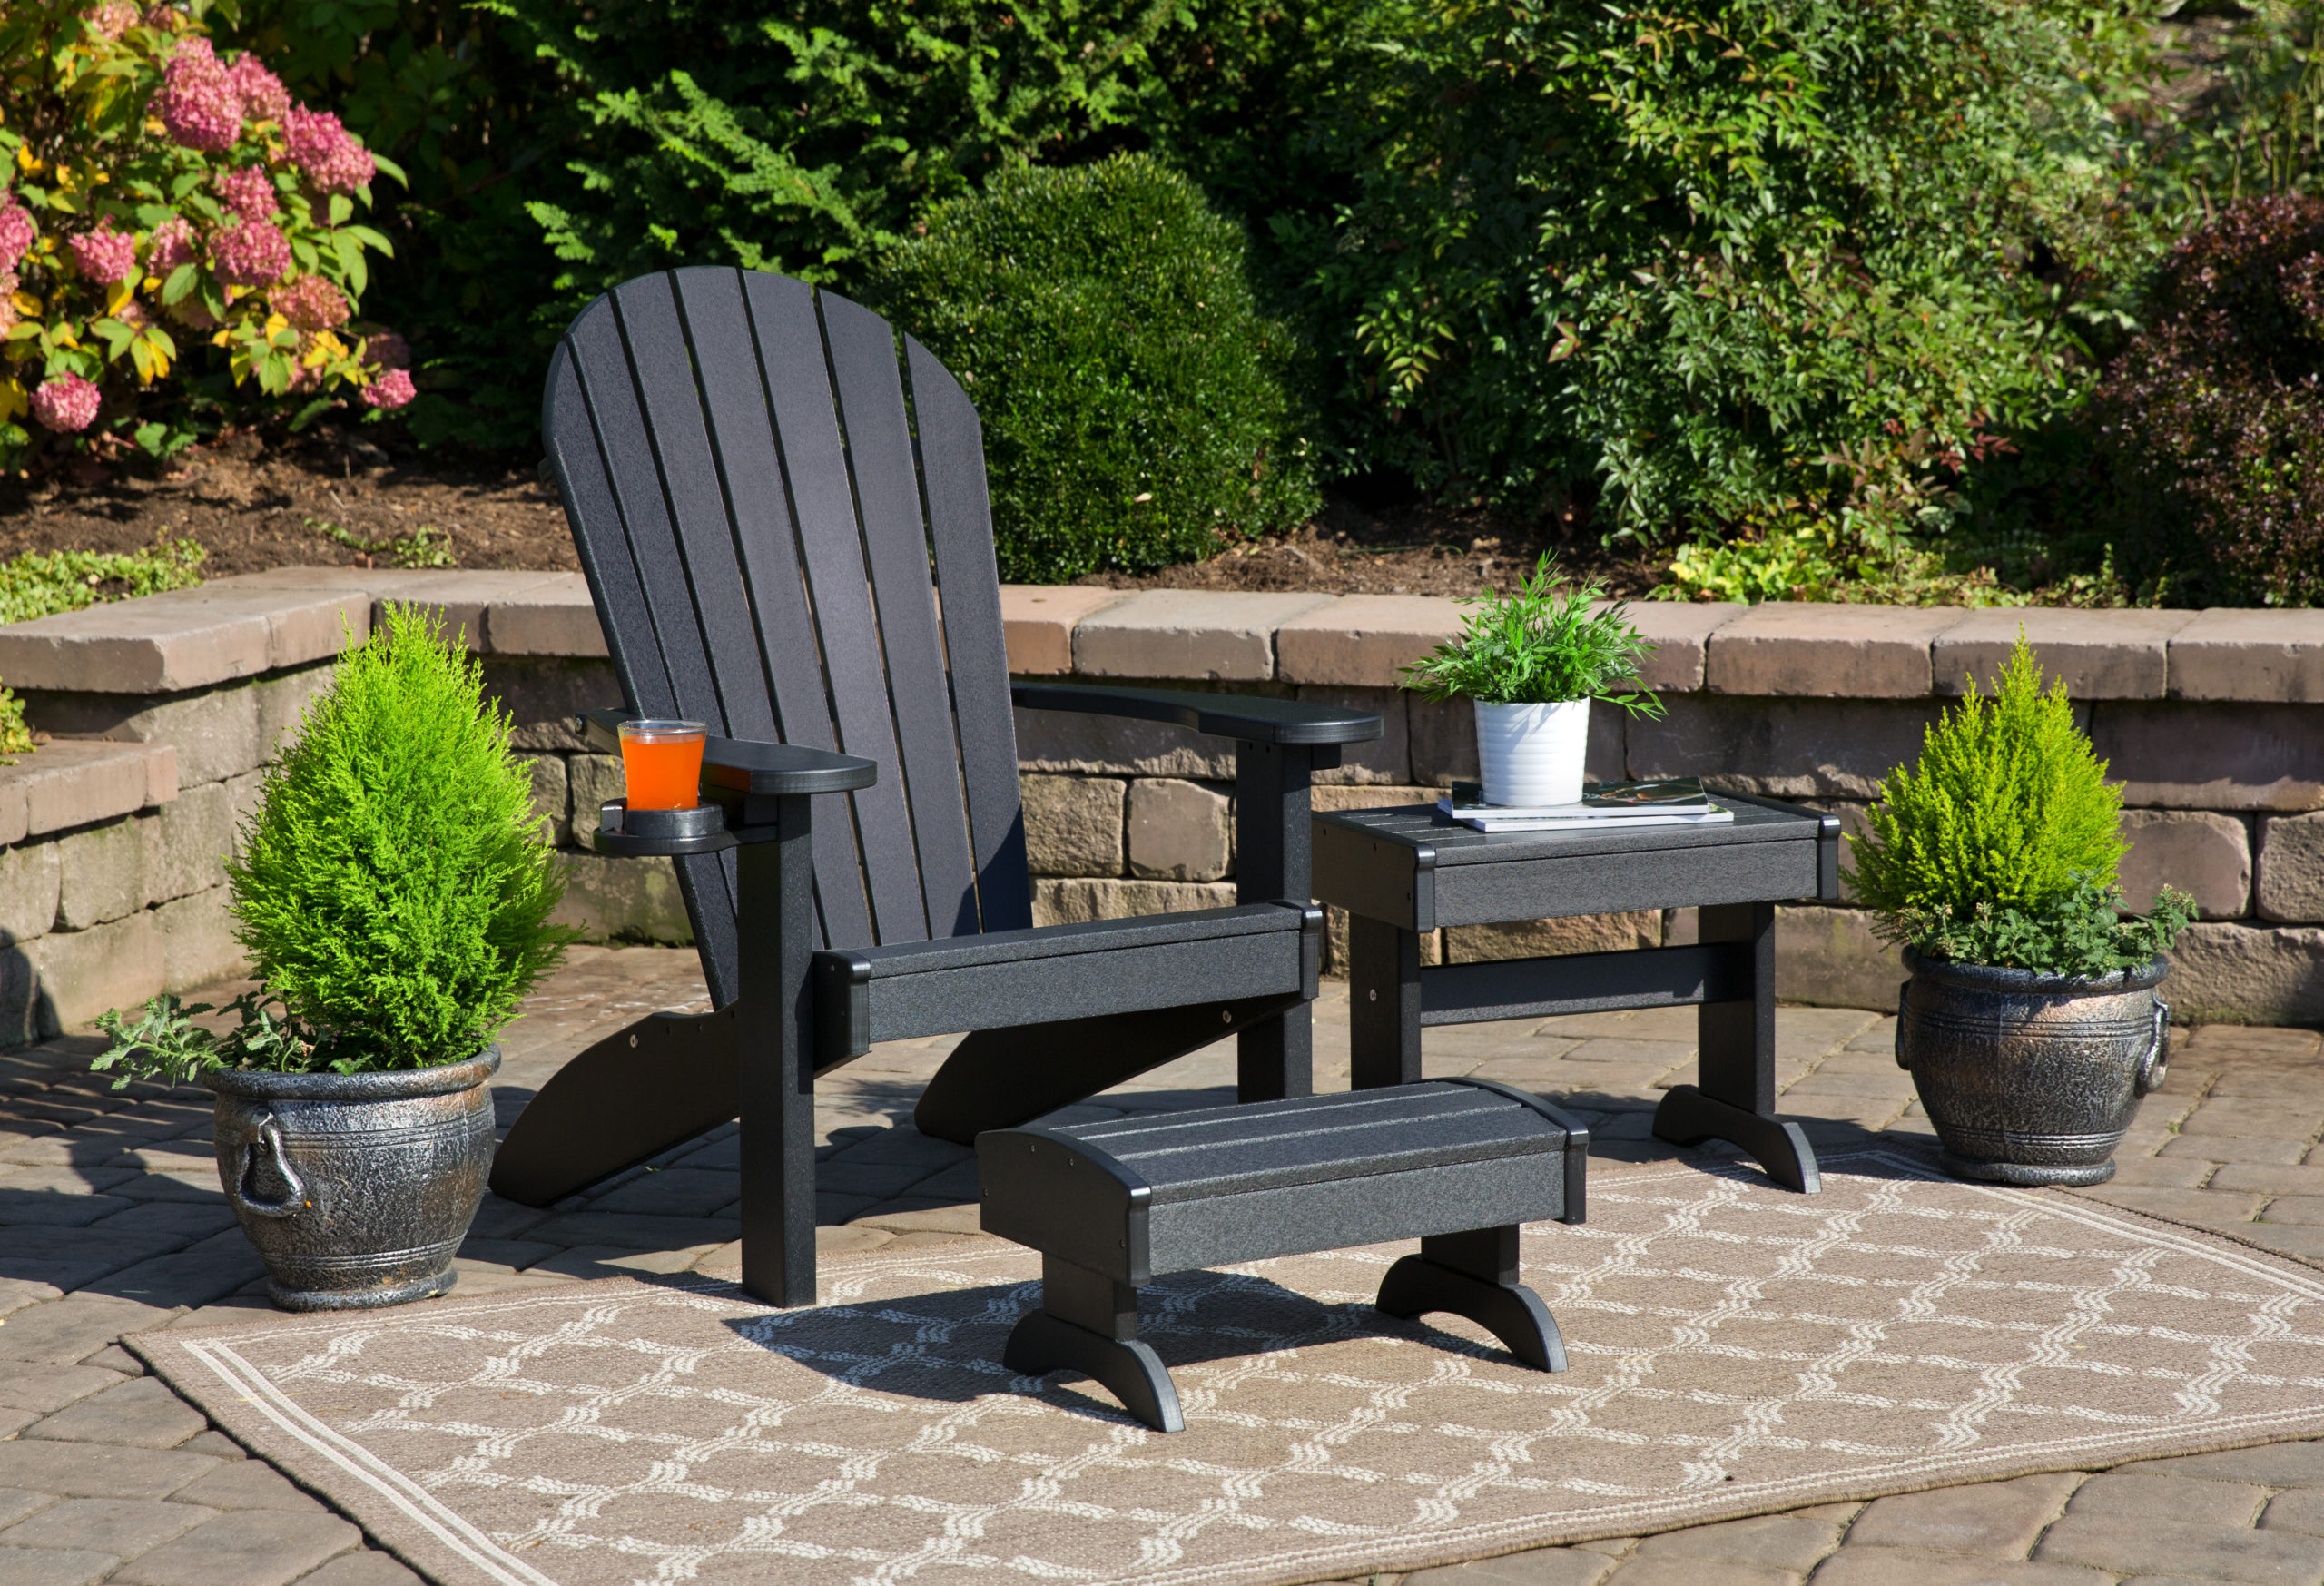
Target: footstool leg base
[1130,1371]
[1507,1309]
[1687,1117]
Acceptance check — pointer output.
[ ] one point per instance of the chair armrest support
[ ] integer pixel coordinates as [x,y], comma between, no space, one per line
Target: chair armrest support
[746,766]
[1251,719]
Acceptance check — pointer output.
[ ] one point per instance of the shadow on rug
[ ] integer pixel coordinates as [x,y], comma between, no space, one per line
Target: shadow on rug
[1735,1349]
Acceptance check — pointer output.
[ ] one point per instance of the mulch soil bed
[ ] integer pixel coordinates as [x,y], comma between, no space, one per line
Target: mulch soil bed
[256,503]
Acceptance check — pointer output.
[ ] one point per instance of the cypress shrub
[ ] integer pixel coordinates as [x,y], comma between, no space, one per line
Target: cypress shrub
[1138,407]
[396,884]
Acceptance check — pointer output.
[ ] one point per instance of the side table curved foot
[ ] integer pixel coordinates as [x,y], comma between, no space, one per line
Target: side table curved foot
[1687,1117]
[1041,1343]
[1510,1311]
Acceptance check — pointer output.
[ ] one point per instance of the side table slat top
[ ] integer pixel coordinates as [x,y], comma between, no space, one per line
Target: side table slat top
[1423,826]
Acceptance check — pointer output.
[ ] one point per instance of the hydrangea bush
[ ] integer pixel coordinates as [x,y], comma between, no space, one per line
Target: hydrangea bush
[155,200]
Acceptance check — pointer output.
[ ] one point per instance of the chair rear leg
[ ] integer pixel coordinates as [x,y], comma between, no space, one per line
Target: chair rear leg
[999,1078]
[641,1090]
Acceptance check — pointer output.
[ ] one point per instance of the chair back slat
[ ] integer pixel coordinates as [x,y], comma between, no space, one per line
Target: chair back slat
[895,542]
[798,383]
[749,467]
[959,521]
[756,496]
[663,669]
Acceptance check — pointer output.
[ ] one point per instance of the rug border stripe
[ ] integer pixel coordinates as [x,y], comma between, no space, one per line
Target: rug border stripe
[415,1501]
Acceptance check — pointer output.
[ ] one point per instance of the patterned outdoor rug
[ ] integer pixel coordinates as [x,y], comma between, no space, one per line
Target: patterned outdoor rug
[1735,1349]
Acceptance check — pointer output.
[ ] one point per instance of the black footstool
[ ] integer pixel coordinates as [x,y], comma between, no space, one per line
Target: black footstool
[1458,1163]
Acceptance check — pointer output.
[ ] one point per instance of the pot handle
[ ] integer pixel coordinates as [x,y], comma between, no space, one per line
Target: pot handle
[1903,992]
[267,1135]
[2155,1066]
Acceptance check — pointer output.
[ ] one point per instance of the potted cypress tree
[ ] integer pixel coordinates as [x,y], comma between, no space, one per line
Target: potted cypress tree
[1530,662]
[2031,1025]
[394,891]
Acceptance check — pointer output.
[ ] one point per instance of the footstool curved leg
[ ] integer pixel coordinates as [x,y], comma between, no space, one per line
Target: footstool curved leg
[1510,1311]
[1041,1343]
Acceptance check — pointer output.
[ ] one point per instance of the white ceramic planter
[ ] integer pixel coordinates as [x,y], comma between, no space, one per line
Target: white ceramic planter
[1533,753]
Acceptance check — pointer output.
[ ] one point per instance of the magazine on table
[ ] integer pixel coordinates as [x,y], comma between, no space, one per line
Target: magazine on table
[1670,800]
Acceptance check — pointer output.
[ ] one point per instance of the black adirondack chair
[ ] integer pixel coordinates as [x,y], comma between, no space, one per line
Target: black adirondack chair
[787,538]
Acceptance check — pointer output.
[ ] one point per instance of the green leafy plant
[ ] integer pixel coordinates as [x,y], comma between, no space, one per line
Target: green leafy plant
[424,547]
[1540,644]
[43,583]
[1682,262]
[2080,933]
[1999,837]
[1138,406]
[395,885]
[168,1047]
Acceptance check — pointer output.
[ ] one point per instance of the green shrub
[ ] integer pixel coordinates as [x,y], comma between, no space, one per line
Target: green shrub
[1137,404]
[395,884]
[2209,427]
[1717,263]
[1999,843]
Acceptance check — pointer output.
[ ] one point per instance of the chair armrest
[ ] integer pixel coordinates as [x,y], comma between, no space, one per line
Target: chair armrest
[1253,719]
[746,766]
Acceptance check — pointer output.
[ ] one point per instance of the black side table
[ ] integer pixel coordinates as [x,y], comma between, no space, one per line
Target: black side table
[1400,872]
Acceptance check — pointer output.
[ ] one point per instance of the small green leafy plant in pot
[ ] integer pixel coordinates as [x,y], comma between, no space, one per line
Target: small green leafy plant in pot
[2031,1025]
[1530,662]
[394,892]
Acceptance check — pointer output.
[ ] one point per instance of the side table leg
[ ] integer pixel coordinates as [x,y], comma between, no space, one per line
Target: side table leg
[1735,1099]
[1384,1004]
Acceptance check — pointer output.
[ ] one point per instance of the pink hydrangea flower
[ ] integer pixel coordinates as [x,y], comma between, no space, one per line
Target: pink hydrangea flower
[312,303]
[112,20]
[16,233]
[327,152]
[7,305]
[196,104]
[248,191]
[67,404]
[250,254]
[387,350]
[393,388]
[260,91]
[132,314]
[105,254]
[171,245]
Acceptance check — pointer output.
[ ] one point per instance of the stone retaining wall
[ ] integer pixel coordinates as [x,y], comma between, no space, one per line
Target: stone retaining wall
[162,712]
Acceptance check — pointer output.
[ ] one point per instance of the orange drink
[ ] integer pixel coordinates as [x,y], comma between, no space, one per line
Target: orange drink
[660,764]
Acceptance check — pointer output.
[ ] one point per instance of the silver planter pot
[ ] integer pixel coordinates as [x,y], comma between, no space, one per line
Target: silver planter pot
[357,1188]
[2031,1079]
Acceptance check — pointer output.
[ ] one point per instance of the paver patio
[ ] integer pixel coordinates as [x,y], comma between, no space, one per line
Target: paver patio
[112,1222]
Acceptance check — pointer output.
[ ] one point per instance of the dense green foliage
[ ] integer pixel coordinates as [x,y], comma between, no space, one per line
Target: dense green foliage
[1541,643]
[42,583]
[2002,838]
[1734,261]
[395,884]
[2078,933]
[1136,402]
[2210,425]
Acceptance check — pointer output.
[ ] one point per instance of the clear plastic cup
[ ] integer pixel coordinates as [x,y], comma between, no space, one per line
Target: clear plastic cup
[660,764]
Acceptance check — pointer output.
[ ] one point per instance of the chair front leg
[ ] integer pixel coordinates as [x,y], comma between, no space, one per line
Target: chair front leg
[776,938]
[1275,1059]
